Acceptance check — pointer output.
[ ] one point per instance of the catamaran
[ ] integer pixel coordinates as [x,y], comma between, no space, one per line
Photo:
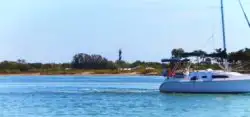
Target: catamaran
[208,81]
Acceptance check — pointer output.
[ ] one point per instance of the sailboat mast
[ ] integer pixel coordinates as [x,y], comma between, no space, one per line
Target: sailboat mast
[224,36]
[223,25]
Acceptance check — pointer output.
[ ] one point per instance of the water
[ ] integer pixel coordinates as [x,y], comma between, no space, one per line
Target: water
[116,96]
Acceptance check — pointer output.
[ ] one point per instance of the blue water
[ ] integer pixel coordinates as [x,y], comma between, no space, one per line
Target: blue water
[116,96]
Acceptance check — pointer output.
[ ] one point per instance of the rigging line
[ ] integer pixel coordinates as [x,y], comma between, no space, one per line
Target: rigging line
[210,38]
[205,44]
[244,13]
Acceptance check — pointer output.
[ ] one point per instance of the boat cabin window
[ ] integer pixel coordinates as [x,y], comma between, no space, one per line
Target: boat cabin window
[194,78]
[220,76]
[204,76]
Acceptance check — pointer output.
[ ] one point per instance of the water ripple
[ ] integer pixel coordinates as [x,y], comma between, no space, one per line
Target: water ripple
[110,97]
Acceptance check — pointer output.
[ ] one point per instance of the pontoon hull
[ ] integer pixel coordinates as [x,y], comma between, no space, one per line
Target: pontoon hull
[220,86]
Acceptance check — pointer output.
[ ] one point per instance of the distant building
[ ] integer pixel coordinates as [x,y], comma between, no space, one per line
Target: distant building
[125,69]
[150,68]
[137,67]
[67,68]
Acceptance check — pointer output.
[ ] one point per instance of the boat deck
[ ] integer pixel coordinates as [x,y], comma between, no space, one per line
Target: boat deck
[243,77]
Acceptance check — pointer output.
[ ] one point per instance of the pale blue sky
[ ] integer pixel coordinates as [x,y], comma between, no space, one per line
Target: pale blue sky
[54,30]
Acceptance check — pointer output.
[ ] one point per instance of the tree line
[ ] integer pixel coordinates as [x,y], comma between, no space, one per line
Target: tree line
[237,56]
[80,61]
[83,61]
[238,59]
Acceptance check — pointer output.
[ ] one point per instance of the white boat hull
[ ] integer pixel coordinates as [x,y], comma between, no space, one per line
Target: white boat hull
[215,86]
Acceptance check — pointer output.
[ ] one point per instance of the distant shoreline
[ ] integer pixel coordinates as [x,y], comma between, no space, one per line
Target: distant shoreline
[77,74]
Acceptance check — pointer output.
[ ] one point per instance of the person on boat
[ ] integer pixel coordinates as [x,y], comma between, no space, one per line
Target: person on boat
[171,73]
[186,73]
[165,72]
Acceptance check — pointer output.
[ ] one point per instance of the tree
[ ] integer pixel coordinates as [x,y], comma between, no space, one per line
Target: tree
[47,66]
[240,59]
[199,52]
[122,64]
[98,62]
[36,65]
[85,61]
[177,53]
[137,63]
[78,61]
[219,55]
[111,65]
[21,61]
[208,61]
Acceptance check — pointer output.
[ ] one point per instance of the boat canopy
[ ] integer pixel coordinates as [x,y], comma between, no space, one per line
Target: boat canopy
[221,54]
[175,60]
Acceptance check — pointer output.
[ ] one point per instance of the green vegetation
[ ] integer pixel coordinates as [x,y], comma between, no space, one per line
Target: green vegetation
[81,63]
[96,64]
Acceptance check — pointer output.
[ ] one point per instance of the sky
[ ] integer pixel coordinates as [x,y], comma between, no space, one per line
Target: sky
[55,30]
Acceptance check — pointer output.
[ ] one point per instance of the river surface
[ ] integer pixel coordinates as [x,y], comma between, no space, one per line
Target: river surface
[109,96]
